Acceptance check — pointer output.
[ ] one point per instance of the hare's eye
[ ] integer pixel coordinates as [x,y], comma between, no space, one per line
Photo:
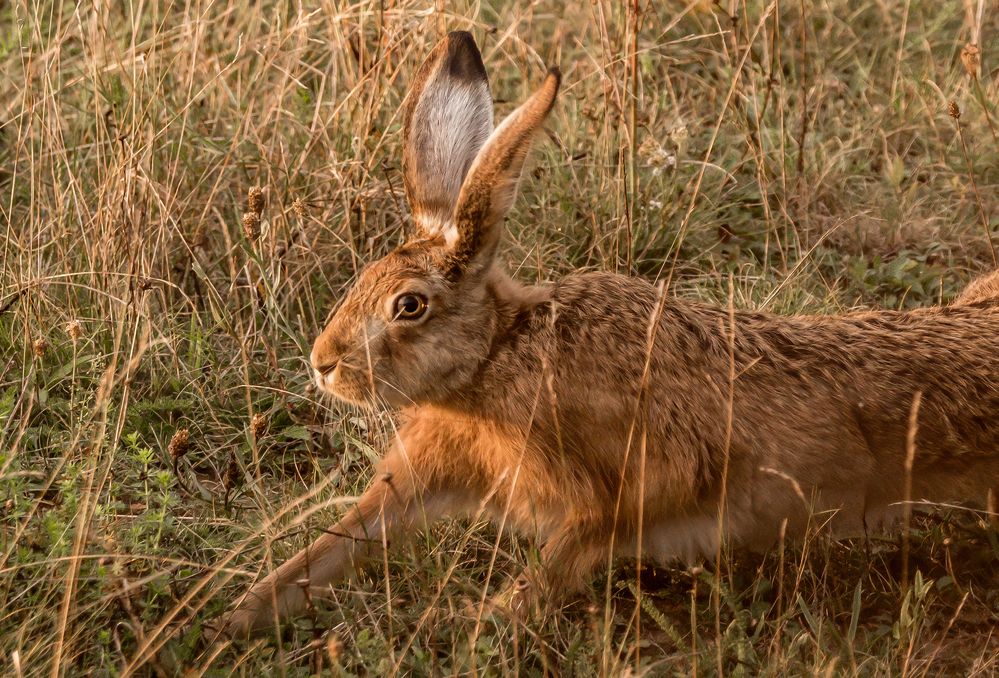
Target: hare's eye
[409,306]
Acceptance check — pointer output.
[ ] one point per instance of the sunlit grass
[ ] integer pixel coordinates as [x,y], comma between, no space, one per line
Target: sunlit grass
[812,160]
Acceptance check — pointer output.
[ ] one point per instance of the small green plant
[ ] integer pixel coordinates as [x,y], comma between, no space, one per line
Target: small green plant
[793,162]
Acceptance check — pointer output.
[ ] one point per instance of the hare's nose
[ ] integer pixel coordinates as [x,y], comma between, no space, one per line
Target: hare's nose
[322,361]
[324,366]
[327,352]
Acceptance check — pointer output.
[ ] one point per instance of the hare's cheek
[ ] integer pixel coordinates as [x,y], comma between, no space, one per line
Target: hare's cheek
[340,382]
[350,385]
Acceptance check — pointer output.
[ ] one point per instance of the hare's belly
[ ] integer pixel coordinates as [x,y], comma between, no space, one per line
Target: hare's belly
[686,540]
[757,522]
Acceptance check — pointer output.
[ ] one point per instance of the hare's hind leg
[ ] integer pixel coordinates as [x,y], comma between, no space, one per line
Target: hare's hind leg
[392,505]
[983,288]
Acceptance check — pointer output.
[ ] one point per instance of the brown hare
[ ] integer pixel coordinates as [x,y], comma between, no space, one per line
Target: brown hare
[602,415]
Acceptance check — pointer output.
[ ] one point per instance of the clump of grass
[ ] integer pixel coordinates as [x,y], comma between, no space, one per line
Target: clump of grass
[789,148]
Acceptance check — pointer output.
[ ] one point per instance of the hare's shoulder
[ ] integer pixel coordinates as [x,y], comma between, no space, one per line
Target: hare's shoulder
[589,316]
[598,317]
[598,295]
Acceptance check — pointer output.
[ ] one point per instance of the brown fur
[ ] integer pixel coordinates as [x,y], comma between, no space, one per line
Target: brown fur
[982,289]
[595,409]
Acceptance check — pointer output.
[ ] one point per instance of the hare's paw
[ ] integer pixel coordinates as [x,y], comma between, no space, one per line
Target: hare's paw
[235,625]
[222,629]
[521,599]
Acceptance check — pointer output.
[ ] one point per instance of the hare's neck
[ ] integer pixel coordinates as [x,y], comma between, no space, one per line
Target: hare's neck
[506,310]
[510,303]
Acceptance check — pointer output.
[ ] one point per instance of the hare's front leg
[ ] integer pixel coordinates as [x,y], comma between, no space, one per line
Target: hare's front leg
[394,503]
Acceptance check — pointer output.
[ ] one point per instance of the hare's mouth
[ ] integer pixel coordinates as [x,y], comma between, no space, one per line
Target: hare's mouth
[325,376]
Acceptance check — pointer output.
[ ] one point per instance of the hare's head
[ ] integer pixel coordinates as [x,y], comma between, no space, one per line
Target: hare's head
[418,323]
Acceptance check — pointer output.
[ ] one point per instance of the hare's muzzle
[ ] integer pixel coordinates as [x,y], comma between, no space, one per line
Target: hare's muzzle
[324,367]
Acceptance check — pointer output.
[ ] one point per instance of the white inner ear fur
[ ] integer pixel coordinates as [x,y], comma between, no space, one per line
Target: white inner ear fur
[454,120]
[436,224]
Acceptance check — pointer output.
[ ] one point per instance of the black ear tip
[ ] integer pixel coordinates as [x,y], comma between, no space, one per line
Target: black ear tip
[461,36]
[464,62]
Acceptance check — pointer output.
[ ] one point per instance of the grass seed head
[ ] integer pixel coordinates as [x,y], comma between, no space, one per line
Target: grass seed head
[971,58]
[180,443]
[255,200]
[953,110]
[299,208]
[41,347]
[258,424]
[251,225]
[74,330]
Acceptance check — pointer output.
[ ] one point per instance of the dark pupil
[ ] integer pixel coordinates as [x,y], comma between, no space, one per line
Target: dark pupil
[409,305]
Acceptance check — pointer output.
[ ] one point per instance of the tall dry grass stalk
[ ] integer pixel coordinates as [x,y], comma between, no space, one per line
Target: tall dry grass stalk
[186,189]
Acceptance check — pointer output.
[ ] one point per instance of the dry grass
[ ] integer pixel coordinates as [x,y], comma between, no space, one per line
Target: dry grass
[812,158]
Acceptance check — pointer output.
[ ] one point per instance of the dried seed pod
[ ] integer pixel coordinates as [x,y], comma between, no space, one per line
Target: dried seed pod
[953,111]
[298,207]
[251,225]
[74,330]
[258,424]
[255,200]
[180,443]
[971,58]
[41,347]
[231,475]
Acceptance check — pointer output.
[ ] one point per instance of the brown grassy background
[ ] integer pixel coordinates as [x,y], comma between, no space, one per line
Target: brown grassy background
[803,148]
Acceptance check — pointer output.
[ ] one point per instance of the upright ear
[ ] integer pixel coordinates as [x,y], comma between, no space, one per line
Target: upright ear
[491,184]
[447,117]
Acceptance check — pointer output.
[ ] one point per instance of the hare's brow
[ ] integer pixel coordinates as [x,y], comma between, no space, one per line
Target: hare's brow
[382,280]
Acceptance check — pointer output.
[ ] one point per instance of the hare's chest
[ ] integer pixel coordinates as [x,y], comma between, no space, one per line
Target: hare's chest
[533,490]
[519,478]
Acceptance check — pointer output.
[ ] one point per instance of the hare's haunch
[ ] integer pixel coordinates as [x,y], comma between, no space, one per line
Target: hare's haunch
[597,408]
